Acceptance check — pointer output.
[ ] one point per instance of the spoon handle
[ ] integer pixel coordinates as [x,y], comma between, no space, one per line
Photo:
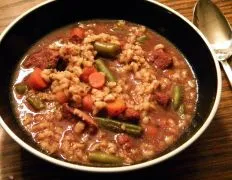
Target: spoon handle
[228,70]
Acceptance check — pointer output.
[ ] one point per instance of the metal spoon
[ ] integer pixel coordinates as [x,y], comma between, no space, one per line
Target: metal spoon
[213,24]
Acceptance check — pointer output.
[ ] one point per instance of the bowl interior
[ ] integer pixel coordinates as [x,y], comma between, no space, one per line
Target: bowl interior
[58,14]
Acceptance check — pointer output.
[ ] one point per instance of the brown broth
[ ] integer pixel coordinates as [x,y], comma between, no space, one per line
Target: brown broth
[56,133]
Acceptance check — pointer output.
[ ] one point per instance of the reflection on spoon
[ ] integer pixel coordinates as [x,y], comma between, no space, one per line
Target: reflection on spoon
[213,24]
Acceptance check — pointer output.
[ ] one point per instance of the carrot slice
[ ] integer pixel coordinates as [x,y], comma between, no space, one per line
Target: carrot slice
[116,107]
[35,80]
[87,103]
[97,80]
[78,32]
[61,97]
[86,72]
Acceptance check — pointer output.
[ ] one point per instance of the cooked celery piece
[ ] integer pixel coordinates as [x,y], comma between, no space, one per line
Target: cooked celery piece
[35,102]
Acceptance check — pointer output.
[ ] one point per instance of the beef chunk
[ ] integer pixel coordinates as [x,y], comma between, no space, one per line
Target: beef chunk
[44,58]
[162,98]
[131,114]
[160,59]
[124,140]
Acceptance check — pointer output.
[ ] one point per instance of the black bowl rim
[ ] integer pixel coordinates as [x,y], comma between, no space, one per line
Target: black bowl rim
[131,167]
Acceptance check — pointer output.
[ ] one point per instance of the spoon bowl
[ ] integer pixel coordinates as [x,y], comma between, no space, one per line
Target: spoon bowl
[213,24]
[208,18]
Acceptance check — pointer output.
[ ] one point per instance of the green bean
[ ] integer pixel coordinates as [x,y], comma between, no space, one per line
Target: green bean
[35,102]
[101,157]
[177,96]
[106,49]
[103,68]
[21,88]
[117,126]
[142,39]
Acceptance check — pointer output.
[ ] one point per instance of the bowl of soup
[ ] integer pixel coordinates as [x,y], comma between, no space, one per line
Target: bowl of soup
[106,91]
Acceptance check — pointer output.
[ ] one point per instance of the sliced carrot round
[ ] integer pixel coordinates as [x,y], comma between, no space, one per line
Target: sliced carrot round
[35,80]
[97,80]
[86,72]
[116,107]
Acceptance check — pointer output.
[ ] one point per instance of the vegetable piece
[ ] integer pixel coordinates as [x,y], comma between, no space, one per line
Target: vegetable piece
[78,32]
[86,72]
[61,97]
[101,157]
[121,127]
[142,39]
[35,80]
[103,68]
[121,23]
[177,96]
[116,107]
[87,103]
[97,80]
[35,102]
[107,49]
[84,117]
[21,88]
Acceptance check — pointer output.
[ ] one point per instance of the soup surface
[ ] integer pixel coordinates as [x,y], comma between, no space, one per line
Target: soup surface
[104,93]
